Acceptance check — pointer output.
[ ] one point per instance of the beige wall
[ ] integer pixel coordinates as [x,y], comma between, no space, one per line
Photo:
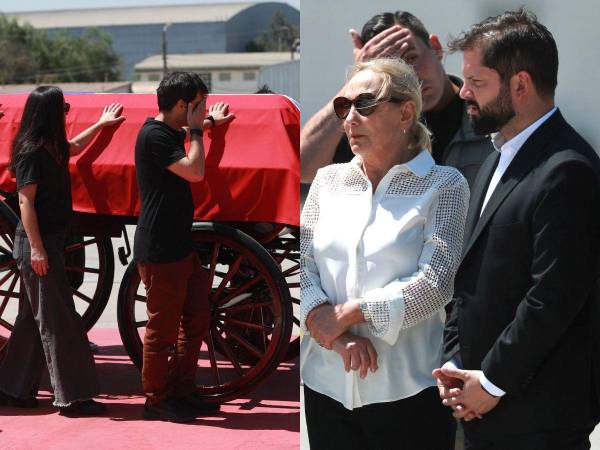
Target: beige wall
[326,47]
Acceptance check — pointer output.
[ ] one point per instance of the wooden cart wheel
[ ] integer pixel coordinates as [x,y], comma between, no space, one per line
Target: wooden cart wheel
[91,278]
[9,274]
[285,250]
[250,307]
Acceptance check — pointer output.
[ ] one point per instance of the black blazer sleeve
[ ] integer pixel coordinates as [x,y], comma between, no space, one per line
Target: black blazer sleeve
[562,274]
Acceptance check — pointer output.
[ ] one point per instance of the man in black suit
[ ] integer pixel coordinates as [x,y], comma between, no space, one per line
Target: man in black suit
[522,333]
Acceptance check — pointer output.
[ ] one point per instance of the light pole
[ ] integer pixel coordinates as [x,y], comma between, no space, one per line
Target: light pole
[164,48]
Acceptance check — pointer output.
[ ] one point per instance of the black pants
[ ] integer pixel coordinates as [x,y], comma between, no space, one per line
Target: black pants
[419,422]
[47,332]
[574,439]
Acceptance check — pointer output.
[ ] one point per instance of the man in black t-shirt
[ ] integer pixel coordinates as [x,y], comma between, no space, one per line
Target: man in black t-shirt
[402,35]
[176,283]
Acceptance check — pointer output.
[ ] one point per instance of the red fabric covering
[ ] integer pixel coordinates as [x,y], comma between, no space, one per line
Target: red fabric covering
[252,164]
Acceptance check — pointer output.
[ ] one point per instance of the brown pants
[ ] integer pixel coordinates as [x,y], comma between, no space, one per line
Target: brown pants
[178,313]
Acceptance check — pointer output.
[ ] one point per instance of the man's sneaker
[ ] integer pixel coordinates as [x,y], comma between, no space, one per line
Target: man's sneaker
[9,400]
[168,410]
[85,408]
[196,403]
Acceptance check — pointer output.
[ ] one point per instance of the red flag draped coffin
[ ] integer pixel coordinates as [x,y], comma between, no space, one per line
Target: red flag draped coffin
[252,164]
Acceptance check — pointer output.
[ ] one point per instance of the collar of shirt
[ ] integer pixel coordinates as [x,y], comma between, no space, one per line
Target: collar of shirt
[420,165]
[510,148]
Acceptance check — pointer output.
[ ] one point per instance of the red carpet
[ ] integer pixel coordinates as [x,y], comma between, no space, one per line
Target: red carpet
[266,419]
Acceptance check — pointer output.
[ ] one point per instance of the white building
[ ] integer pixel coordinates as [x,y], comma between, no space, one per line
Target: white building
[205,27]
[223,73]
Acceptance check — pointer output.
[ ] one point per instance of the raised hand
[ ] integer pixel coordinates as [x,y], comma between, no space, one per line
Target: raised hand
[195,113]
[393,41]
[220,113]
[111,115]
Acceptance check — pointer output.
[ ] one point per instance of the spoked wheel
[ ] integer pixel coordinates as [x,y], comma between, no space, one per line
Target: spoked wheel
[90,266]
[9,274]
[285,250]
[251,314]
[89,262]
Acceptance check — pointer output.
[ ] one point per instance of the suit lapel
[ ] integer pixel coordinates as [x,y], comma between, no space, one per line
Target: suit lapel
[527,157]
[478,193]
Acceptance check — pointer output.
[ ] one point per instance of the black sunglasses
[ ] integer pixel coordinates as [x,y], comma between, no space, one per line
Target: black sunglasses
[67,107]
[365,104]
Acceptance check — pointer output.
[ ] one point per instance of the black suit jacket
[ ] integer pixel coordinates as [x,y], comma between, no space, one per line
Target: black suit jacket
[525,311]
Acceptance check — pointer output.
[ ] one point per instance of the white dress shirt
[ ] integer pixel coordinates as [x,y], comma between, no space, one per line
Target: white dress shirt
[396,250]
[508,150]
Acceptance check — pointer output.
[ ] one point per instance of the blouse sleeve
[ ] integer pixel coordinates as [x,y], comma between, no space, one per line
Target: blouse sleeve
[407,301]
[311,292]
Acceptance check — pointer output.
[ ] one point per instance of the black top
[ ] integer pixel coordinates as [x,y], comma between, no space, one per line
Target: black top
[444,124]
[53,196]
[163,232]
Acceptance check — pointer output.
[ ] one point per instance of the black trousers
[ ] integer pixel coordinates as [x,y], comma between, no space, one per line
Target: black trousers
[419,422]
[572,439]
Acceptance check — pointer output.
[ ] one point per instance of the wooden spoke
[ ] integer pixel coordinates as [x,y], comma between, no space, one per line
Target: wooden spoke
[7,276]
[11,289]
[139,298]
[224,346]
[5,324]
[10,294]
[211,356]
[213,260]
[8,264]
[291,271]
[3,305]
[240,290]
[140,323]
[245,307]
[6,251]
[81,295]
[7,240]
[243,342]
[251,325]
[82,269]
[79,245]
[233,269]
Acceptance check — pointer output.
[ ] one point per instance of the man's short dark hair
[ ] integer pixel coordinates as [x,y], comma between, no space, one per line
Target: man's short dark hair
[513,42]
[179,86]
[383,21]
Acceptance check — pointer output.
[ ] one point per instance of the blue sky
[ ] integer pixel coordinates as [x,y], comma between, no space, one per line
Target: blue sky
[45,5]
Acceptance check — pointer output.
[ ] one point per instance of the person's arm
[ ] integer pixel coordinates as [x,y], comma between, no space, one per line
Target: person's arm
[319,139]
[405,302]
[39,257]
[191,166]
[111,115]
[564,231]
[313,295]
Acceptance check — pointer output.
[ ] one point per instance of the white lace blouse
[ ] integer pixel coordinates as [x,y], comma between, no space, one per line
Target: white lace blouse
[397,251]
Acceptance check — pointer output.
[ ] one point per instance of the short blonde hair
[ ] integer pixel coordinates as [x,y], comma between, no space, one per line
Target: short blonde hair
[399,80]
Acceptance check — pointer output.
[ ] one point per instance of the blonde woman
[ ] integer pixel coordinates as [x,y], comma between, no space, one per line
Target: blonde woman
[381,238]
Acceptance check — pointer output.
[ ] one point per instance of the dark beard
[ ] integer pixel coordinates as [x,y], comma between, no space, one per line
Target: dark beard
[495,115]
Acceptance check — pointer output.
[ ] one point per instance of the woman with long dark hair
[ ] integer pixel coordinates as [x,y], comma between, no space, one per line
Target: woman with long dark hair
[48,331]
